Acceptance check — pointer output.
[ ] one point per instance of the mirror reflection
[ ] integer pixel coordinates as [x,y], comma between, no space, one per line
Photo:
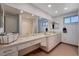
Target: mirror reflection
[42,25]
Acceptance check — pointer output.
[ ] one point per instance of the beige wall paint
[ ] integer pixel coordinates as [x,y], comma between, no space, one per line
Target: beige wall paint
[27,25]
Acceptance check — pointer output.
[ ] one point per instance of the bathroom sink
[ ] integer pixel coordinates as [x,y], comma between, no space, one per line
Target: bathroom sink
[50,33]
[8,38]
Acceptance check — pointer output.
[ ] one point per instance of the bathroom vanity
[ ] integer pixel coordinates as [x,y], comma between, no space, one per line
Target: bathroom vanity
[46,41]
[51,41]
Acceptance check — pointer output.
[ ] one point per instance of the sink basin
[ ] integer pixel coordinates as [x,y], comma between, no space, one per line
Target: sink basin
[50,33]
[8,38]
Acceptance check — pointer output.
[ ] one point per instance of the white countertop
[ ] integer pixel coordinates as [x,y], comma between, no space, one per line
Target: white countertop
[27,39]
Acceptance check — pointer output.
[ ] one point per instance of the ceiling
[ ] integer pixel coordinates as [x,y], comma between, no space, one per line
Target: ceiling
[27,15]
[9,9]
[12,10]
[59,7]
[44,7]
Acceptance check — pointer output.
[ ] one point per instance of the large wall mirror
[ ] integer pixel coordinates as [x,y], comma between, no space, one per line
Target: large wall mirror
[42,25]
[1,20]
[20,21]
[28,23]
[9,19]
[13,20]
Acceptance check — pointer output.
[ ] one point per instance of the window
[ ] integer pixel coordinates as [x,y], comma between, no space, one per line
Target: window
[71,19]
[74,19]
[67,20]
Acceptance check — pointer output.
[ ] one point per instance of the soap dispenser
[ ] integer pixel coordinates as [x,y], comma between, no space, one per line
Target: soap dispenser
[64,30]
[46,29]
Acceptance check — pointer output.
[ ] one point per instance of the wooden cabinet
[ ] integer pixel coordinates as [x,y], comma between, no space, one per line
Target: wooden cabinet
[52,41]
[9,51]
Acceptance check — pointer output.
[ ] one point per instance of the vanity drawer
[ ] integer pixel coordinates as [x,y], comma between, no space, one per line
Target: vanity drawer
[12,54]
[23,45]
[36,41]
[28,44]
[8,50]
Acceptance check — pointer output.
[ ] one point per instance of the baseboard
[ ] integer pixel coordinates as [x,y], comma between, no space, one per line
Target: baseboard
[69,44]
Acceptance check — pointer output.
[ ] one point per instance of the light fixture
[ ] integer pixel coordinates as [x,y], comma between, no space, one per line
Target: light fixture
[21,11]
[32,15]
[65,8]
[49,5]
[56,11]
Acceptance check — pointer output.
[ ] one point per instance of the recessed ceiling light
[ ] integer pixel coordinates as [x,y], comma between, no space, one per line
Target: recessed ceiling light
[49,5]
[65,8]
[56,11]
[21,11]
[32,15]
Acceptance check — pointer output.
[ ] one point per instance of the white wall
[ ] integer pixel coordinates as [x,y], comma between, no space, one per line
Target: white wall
[71,37]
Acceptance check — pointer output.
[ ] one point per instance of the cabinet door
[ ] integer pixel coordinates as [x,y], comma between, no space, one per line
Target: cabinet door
[8,51]
[51,42]
[57,39]
[12,54]
[43,42]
